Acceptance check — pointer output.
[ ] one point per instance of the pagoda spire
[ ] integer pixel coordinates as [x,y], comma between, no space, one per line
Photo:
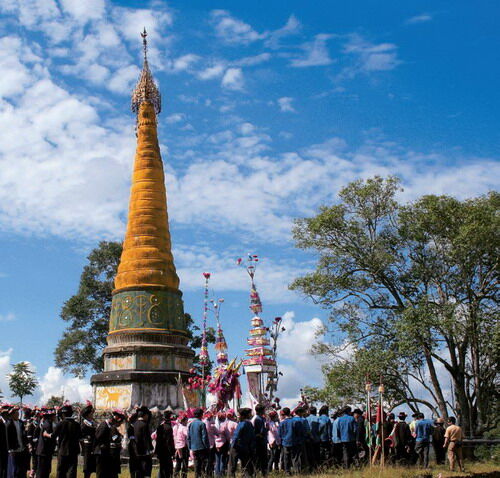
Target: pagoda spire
[147,259]
[146,90]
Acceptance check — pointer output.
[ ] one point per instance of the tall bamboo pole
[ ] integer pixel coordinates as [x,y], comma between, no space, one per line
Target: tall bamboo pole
[381,391]
[368,388]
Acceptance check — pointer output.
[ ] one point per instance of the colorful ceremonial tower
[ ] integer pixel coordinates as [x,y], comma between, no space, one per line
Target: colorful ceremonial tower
[147,342]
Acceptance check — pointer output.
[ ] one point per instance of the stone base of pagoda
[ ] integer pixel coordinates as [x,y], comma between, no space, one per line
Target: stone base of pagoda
[124,389]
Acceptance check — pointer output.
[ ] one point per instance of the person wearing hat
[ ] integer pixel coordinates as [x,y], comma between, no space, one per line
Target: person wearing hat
[4,450]
[88,426]
[107,445]
[274,441]
[46,443]
[31,419]
[180,433]
[17,443]
[165,447]
[402,439]
[438,441]
[67,434]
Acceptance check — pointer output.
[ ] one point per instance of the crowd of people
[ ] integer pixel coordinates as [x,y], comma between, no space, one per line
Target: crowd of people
[217,443]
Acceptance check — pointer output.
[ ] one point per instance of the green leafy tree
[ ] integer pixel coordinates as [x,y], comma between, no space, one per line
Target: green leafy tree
[22,380]
[410,288]
[54,401]
[87,314]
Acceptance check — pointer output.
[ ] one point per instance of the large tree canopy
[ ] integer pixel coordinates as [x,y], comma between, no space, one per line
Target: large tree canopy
[413,294]
[87,314]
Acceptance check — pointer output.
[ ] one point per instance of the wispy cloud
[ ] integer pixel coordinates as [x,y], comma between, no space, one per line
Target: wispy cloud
[315,53]
[422,18]
[292,27]
[9,317]
[368,57]
[285,104]
[233,31]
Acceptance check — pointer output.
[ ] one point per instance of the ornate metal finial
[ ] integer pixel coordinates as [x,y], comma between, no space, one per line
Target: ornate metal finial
[146,89]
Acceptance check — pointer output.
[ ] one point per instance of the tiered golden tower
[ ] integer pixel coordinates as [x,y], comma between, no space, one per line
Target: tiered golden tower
[147,342]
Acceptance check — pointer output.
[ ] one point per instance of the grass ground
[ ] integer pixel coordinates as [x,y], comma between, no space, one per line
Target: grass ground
[473,470]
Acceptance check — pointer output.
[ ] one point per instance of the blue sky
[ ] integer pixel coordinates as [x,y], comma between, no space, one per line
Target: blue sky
[267,111]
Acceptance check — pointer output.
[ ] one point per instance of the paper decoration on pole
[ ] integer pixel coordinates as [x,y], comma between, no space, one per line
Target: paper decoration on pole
[220,341]
[259,361]
[203,357]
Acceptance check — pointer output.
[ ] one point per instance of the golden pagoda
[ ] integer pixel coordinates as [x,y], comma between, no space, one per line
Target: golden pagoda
[147,342]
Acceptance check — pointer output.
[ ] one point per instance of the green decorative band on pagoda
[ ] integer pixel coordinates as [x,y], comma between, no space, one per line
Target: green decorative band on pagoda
[147,309]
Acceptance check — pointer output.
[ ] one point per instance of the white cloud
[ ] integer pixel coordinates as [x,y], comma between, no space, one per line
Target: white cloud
[124,79]
[253,60]
[422,18]
[285,104]
[175,118]
[9,317]
[315,53]
[272,277]
[211,72]
[55,383]
[298,365]
[233,79]
[369,57]
[5,368]
[84,11]
[231,30]
[292,27]
[184,62]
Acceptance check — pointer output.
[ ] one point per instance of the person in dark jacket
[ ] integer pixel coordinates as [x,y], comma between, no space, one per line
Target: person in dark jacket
[198,443]
[46,444]
[361,446]
[402,440]
[17,443]
[260,428]
[438,441]
[165,448]
[4,450]
[143,443]
[107,446]
[88,426]
[67,433]
[32,425]
[243,444]
[132,458]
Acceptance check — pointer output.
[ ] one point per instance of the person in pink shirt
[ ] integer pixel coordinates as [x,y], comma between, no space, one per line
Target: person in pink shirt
[212,432]
[274,441]
[180,431]
[231,424]
[222,445]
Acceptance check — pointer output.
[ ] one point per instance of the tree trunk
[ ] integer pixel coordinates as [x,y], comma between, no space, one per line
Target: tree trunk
[441,402]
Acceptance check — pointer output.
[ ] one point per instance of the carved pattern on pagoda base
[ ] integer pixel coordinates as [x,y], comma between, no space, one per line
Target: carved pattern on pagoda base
[160,309]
